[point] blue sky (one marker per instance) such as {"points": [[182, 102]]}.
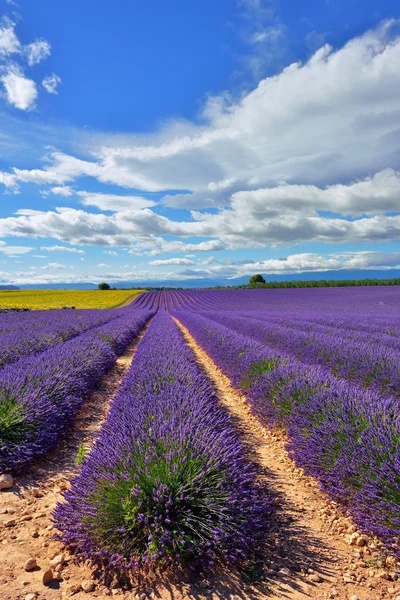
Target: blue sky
{"points": [[197, 140]]}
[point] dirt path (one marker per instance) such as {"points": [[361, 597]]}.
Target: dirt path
{"points": [[313, 550], [26, 530]]}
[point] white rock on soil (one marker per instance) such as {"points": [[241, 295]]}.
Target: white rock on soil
{"points": [[30, 597], [88, 585], [315, 578], [6, 482], [57, 560], [30, 564]]}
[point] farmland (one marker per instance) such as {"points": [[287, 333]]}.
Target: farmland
{"points": [[251, 436], [46, 299]]}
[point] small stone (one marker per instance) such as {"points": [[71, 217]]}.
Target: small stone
{"points": [[382, 574], [353, 539], [6, 482], [88, 585], [57, 560], [354, 597], [30, 597], [361, 564], [361, 541], [74, 589], [26, 518], [30, 564], [315, 578], [35, 534], [347, 579], [47, 576], [392, 591], [10, 523]]}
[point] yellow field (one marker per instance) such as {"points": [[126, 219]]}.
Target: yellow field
{"points": [[44, 299]]}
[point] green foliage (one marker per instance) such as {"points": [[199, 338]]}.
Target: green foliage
{"points": [[81, 455], [104, 286], [13, 426], [129, 503], [256, 370], [256, 279]]}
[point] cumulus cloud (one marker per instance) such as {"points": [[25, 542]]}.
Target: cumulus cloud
{"points": [[295, 263], [62, 249], [333, 118], [179, 246], [9, 43], [103, 266], [14, 250], [171, 261], [51, 83], [63, 190], [9, 181], [20, 91], [114, 202], [37, 51], [235, 228]]}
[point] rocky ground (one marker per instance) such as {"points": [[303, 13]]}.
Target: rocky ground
{"points": [[312, 550]]}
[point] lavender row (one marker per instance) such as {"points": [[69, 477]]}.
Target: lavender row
{"points": [[166, 481], [45, 333], [374, 366], [345, 436], [363, 330], [369, 301], [40, 395]]}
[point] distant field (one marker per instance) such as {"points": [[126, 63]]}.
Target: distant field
{"points": [[45, 299]]}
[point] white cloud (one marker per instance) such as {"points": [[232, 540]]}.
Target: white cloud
{"points": [[103, 266], [332, 118], [171, 261], [243, 227], [111, 252], [54, 265], [14, 250], [296, 263], [64, 191], [9, 43], [62, 249], [20, 91], [179, 246], [37, 51], [9, 180], [51, 83], [309, 262], [114, 202]]}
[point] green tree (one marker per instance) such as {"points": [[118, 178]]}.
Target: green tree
{"points": [[103, 286], [256, 279]]}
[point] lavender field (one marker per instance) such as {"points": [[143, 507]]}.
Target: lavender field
{"points": [[169, 480]]}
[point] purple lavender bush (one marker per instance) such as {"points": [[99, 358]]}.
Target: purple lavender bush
{"points": [[167, 481], [342, 434], [39, 395], [36, 332]]}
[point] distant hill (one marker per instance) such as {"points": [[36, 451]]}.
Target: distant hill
{"points": [[9, 287], [211, 282]]}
